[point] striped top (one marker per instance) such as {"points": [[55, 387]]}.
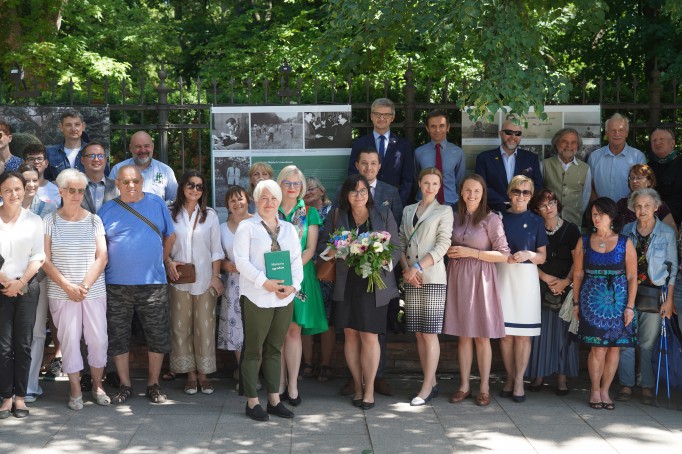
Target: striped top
{"points": [[73, 252]]}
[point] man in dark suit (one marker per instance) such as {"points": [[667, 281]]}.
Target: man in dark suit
{"points": [[100, 189], [499, 165], [396, 154]]}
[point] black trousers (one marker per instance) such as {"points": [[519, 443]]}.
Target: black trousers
{"points": [[17, 317]]}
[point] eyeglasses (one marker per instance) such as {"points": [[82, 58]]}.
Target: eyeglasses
{"points": [[35, 159], [92, 157], [518, 192], [383, 116], [311, 189], [637, 178], [292, 184], [133, 180], [359, 193], [547, 206], [1, 134], [72, 191], [198, 186], [509, 132]]}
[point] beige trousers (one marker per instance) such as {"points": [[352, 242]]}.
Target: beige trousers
{"points": [[193, 326]]}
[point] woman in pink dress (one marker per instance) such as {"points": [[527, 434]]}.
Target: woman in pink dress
{"points": [[472, 307]]}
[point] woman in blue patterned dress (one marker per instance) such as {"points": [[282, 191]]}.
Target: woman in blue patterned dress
{"points": [[605, 281]]}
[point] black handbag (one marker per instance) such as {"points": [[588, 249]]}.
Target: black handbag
{"points": [[551, 301], [648, 299]]}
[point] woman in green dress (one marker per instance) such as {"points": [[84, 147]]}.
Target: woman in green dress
{"points": [[309, 315]]}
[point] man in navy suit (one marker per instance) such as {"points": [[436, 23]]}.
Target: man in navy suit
{"points": [[499, 165], [396, 154]]}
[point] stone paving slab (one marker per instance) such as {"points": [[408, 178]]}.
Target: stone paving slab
{"points": [[328, 423]]}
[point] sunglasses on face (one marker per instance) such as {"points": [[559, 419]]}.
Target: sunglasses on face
{"points": [[509, 132], [133, 180], [518, 192], [198, 186], [72, 191], [92, 157]]}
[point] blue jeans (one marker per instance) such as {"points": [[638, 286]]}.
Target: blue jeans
{"points": [[648, 332]]}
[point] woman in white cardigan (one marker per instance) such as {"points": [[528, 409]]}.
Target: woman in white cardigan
{"points": [[425, 233]]}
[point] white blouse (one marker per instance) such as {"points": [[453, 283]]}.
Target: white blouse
{"points": [[201, 249], [21, 243], [251, 242]]}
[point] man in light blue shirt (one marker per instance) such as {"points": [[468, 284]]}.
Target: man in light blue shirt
{"points": [[159, 178], [611, 164], [452, 163]]}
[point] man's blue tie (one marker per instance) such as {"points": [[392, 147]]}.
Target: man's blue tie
{"points": [[382, 146]]}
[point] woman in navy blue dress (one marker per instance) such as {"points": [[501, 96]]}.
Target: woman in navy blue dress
{"points": [[605, 286]]}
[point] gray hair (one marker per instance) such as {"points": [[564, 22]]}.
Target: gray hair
{"points": [[270, 185], [293, 170], [383, 102], [129, 166], [67, 175], [644, 192], [618, 117], [316, 181], [562, 132]]}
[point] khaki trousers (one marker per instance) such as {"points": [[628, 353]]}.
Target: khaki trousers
{"points": [[193, 327]]}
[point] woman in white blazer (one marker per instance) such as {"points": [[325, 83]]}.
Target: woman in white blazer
{"points": [[425, 233]]}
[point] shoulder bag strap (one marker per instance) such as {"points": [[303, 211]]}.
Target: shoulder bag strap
{"points": [[142, 218]]}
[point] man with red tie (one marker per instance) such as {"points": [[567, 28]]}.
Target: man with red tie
{"points": [[445, 156]]}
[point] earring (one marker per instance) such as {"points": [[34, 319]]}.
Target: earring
{"points": [[594, 229], [611, 226]]}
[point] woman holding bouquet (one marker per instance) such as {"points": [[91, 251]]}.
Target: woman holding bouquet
{"points": [[360, 312], [425, 234]]}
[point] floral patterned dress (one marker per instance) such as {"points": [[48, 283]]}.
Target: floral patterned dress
{"points": [[603, 296], [230, 329]]}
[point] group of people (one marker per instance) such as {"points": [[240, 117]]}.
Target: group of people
{"points": [[543, 256]]}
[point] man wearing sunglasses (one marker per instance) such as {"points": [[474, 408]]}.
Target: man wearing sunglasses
{"points": [[499, 165], [159, 178], [8, 161], [395, 153], [100, 188], [611, 163]]}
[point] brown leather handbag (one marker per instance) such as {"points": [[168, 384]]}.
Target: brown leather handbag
{"points": [[326, 269], [186, 273]]}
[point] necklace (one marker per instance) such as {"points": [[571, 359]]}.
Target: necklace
{"points": [[558, 225]]}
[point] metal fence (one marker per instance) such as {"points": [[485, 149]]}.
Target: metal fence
{"points": [[178, 113]]}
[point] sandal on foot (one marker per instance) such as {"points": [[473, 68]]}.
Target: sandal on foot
{"points": [[101, 398], [207, 388], [596, 405], [191, 387], [325, 373], [168, 376], [123, 393], [307, 370], [155, 395], [75, 403], [608, 405]]}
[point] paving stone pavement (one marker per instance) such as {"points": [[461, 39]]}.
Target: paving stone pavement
{"points": [[328, 423]]}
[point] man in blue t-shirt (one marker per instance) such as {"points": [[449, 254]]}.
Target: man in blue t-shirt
{"points": [[140, 235]]}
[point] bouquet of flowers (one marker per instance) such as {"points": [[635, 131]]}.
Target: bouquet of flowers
{"points": [[367, 253]]}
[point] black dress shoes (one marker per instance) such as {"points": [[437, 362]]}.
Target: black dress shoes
{"points": [[20, 412], [256, 413], [280, 410], [367, 405]]}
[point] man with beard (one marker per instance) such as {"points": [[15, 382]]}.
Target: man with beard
{"points": [[569, 178], [159, 178], [499, 165]]}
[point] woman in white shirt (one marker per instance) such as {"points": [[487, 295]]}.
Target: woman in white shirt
{"points": [[75, 257], [22, 249], [267, 307], [193, 305]]}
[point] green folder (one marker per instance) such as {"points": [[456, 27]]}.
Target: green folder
{"points": [[278, 266]]}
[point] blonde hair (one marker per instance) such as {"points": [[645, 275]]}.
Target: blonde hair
{"points": [[517, 181], [293, 170]]}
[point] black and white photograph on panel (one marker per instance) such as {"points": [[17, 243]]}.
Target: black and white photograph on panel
{"points": [[229, 171], [327, 130], [230, 131], [276, 130]]}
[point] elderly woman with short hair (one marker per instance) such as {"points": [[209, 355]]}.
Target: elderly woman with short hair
{"points": [[75, 257], [655, 244], [267, 307]]}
